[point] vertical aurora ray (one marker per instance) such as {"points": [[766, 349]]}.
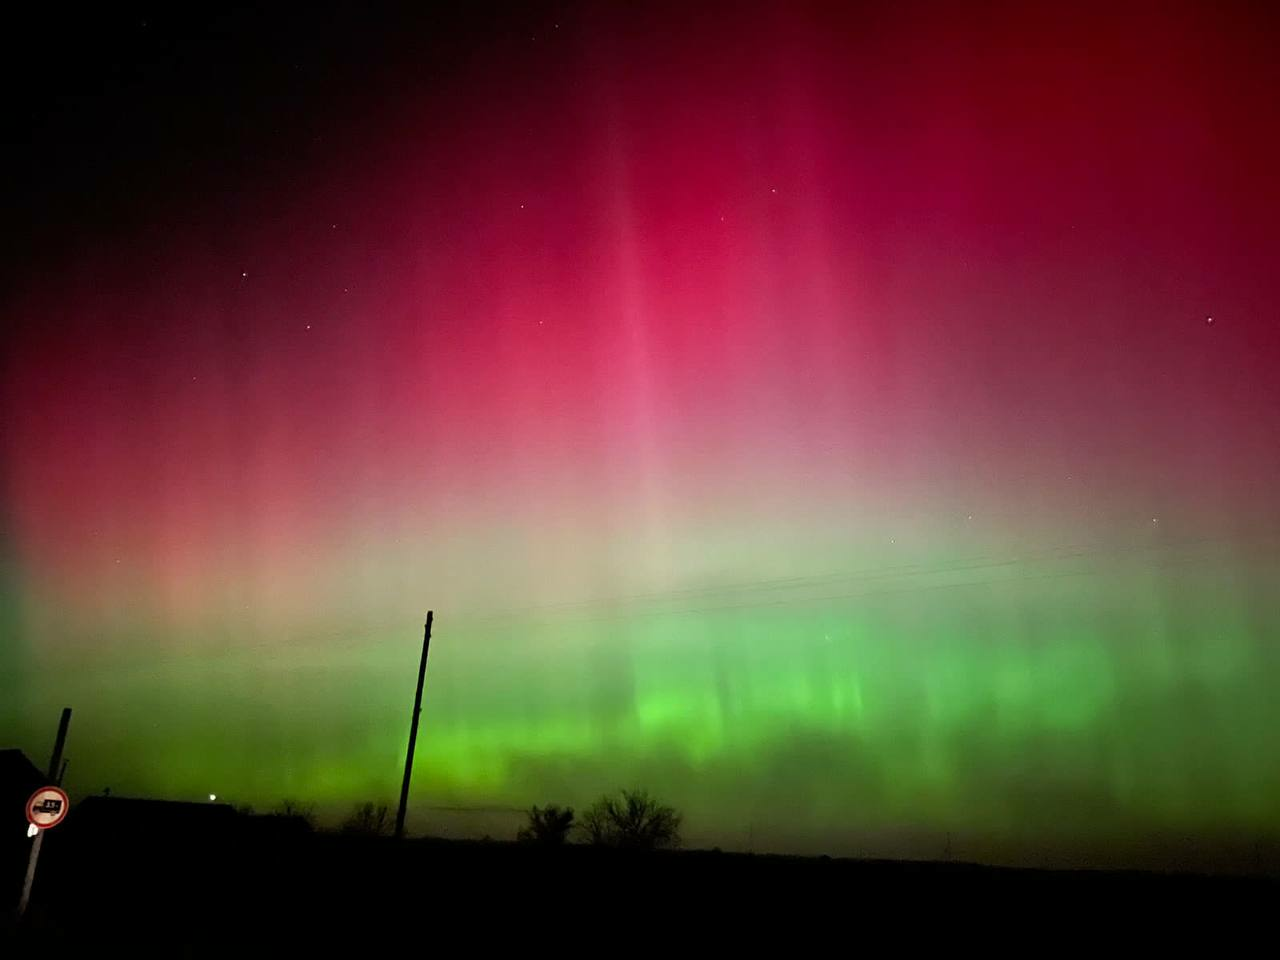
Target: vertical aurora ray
{"points": [[817, 422]]}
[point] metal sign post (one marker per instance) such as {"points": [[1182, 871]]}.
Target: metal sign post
{"points": [[45, 810], [31, 873]]}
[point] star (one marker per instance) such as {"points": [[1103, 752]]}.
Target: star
{"points": [[1209, 320], [244, 273], [308, 326]]}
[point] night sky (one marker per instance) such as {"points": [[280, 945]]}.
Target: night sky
{"points": [[858, 424]]}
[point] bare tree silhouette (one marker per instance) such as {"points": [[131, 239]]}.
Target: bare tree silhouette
{"points": [[547, 825], [304, 812], [632, 819], [368, 820]]}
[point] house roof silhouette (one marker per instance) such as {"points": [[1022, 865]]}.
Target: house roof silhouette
{"points": [[16, 771]]}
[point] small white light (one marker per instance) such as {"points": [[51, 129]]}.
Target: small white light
{"points": [[213, 797], [32, 829]]}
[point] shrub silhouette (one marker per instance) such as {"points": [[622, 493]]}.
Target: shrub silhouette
{"points": [[368, 820], [548, 825], [304, 813], [631, 819]]}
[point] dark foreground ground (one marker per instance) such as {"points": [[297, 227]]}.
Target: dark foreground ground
{"points": [[235, 889]]}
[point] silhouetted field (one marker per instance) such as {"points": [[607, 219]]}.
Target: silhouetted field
{"points": [[248, 886]]}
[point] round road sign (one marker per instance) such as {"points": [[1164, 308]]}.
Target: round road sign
{"points": [[47, 807]]}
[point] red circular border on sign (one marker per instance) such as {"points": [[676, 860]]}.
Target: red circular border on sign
{"points": [[66, 803]]}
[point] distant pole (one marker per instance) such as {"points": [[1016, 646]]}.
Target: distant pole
{"points": [[54, 763], [413, 729]]}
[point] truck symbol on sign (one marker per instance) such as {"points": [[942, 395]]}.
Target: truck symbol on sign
{"points": [[48, 805]]}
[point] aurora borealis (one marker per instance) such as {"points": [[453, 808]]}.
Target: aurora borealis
{"points": [[857, 425]]}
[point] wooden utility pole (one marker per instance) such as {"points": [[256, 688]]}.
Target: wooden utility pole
{"points": [[413, 729], [56, 760]]}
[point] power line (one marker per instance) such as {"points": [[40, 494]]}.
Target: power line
{"points": [[912, 588], [980, 562], [633, 606]]}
